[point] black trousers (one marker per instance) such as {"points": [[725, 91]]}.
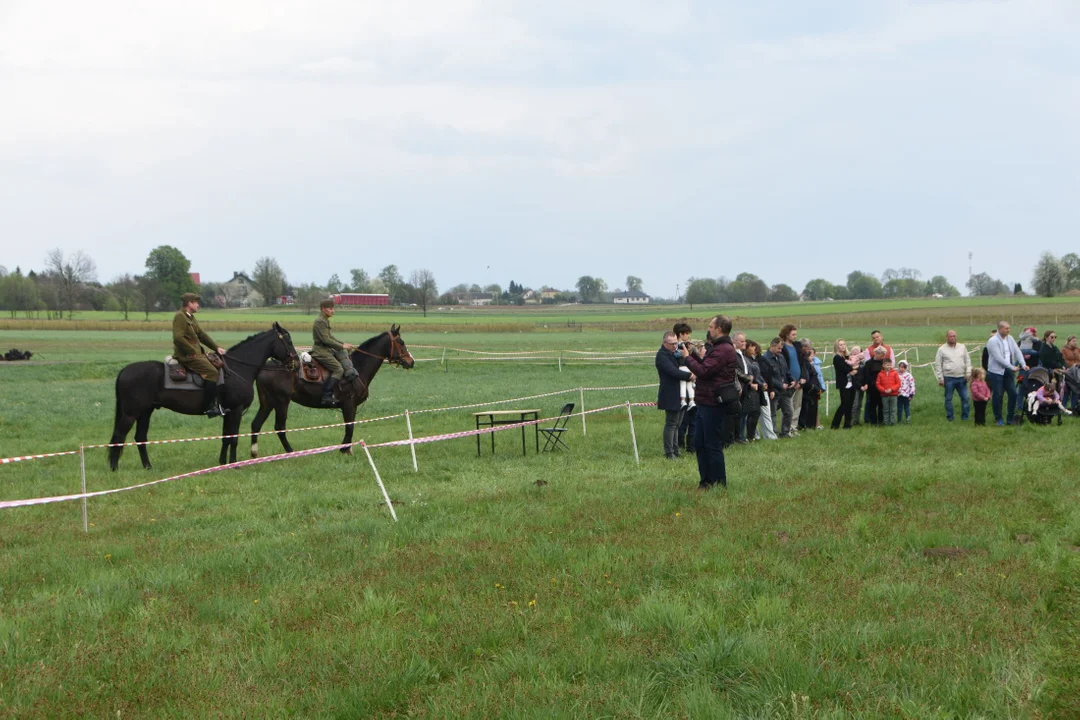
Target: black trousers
{"points": [[730, 414], [875, 411], [980, 412], [843, 413]]}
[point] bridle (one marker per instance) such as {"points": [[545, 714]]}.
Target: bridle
{"points": [[290, 353], [396, 351]]}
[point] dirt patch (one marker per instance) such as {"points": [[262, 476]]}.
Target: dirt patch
{"points": [[947, 553], [540, 483], [781, 535], [1024, 538]]}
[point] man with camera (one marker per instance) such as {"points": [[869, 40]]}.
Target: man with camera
{"points": [[716, 396]]}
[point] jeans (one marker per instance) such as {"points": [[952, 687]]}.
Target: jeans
{"points": [[748, 422], [888, 407], [903, 409], [709, 440], [787, 409], [1004, 382], [672, 418], [843, 413], [856, 406], [952, 384]]}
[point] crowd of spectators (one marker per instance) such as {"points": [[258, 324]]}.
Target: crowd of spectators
{"points": [[729, 390]]}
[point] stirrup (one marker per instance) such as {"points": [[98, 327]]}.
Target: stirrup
{"points": [[216, 410]]}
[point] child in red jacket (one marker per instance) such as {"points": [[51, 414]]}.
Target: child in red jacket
{"points": [[888, 384]]}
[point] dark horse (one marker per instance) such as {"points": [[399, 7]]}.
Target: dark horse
{"points": [[140, 390], [278, 386]]}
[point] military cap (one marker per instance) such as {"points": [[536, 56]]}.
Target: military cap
{"points": [[190, 297]]}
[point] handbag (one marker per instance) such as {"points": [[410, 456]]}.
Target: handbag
{"points": [[728, 392]]}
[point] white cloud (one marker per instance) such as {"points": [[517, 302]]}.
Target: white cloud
{"points": [[764, 122]]}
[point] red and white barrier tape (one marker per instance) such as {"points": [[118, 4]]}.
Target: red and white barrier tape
{"points": [[5, 504], [205, 471], [21, 458]]}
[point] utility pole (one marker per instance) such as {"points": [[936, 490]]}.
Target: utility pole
{"points": [[970, 255]]}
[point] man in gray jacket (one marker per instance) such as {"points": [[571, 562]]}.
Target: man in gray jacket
{"points": [[952, 365], [1005, 358]]}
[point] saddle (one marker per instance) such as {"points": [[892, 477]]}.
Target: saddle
{"points": [[311, 370], [177, 376]]}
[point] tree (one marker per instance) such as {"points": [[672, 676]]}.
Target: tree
{"points": [[361, 281], [18, 294], [268, 279], [983, 284], [903, 288], [495, 290], [333, 285], [126, 293], [783, 293], [1051, 276], [149, 294], [701, 291], [309, 296], [394, 282], [863, 286], [633, 284], [168, 267], [819, 289], [423, 280], [939, 285], [587, 286], [70, 274], [1072, 267], [1018, 289]]}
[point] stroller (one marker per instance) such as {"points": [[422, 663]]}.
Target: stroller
{"points": [[1032, 410]]}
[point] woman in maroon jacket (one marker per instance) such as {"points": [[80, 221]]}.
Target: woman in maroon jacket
{"points": [[716, 397]]}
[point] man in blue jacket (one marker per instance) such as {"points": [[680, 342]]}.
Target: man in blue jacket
{"points": [[668, 398]]}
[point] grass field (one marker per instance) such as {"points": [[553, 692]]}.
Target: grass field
{"points": [[922, 312], [923, 571]]}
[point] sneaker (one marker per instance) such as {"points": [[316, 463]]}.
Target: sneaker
{"points": [[1001, 423]]}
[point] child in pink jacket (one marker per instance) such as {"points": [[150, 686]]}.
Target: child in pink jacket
{"points": [[980, 394]]}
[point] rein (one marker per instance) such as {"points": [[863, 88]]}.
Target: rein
{"points": [[394, 352]]}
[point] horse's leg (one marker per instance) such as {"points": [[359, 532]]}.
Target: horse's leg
{"points": [[281, 416], [348, 414], [232, 427], [142, 427], [121, 428], [256, 426]]}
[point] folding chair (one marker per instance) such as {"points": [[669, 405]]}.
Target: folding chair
{"points": [[553, 434]]}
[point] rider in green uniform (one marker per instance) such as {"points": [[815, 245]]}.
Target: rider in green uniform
{"points": [[188, 339], [331, 352]]}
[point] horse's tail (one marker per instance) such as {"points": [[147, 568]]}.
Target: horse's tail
{"points": [[114, 452]]}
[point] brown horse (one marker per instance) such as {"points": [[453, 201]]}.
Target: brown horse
{"points": [[140, 389], [278, 386]]}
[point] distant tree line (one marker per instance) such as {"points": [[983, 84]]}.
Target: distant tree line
{"points": [[69, 283]]}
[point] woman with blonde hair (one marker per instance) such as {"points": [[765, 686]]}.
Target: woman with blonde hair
{"points": [[845, 384]]}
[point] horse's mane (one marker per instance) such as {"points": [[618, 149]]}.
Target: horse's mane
{"points": [[371, 341], [249, 338]]}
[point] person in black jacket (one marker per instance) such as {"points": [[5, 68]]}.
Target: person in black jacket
{"points": [[774, 368], [845, 384], [668, 398], [875, 411]]}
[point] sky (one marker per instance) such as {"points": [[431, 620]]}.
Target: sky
{"points": [[542, 140]]}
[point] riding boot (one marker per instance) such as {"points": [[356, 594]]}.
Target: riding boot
{"points": [[211, 407], [328, 392]]}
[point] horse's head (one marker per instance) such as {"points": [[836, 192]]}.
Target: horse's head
{"points": [[399, 354], [283, 350]]}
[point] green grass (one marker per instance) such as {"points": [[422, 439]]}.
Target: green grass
{"points": [[861, 313], [285, 588]]}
